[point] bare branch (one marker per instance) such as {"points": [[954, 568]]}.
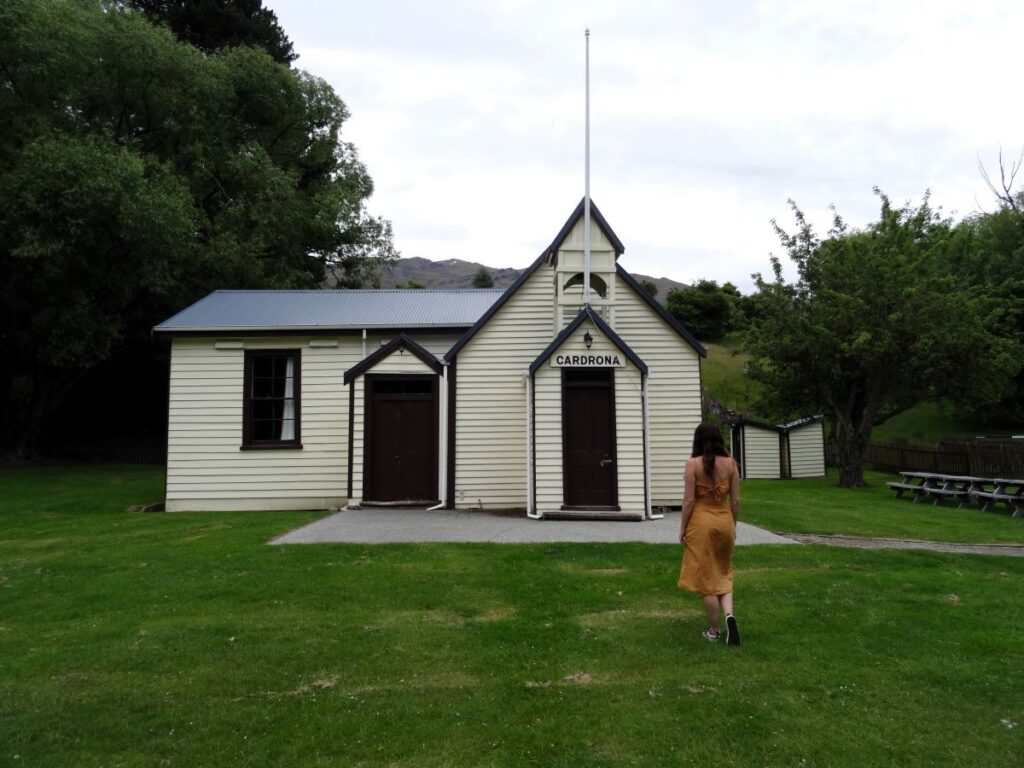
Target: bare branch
{"points": [[1004, 194]]}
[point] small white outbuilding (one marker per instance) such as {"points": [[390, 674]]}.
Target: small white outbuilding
{"points": [[773, 451], [530, 399]]}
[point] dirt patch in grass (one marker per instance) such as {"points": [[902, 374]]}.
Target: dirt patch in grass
{"points": [[576, 678], [604, 619], [699, 688], [579, 678], [499, 613], [333, 682], [439, 617], [627, 616], [436, 617], [576, 568]]}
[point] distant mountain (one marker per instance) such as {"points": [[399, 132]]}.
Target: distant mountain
{"points": [[455, 273], [452, 273]]}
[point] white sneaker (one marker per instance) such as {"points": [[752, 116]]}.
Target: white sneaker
{"points": [[710, 635]]}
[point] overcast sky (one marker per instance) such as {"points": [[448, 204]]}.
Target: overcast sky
{"points": [[705, 117]]}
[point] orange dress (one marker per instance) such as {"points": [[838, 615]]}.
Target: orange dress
{"points": [[710, 536]]}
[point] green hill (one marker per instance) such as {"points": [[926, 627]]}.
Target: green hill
{"points": [[929, 422], [925, 424], [724, 380]]}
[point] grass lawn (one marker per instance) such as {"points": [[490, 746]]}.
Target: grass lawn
{"points": [[181, 639], [819, 506]]}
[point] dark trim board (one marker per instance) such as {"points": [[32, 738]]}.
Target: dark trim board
{"points": [[588, 314], [674, 324], [743, 422], [351, 431], [597, 217], [738, 439], [785, 457], [398, 343]]}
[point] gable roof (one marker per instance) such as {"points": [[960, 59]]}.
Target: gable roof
{"points": [[575, 216], [663, 313], [329, 309], [588, 314], [401, 341], [674, 324], [791, 425], [743, 421], [782, 429]]}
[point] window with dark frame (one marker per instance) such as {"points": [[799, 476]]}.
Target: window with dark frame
{"points": [[271, 407]]}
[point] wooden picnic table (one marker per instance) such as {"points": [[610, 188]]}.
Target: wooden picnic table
{"points": [[1014, 500], [964, 489]]}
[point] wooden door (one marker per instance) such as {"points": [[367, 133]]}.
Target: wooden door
{"points": [[588, 438], [401, 439]]}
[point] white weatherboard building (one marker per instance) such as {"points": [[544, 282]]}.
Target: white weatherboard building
{"points": [[768, 451], [524, 399]]}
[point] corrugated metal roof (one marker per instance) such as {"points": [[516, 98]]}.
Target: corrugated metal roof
{"points": [[332, 309]]}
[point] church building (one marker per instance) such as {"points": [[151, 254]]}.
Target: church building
{"points": [[529, 399]]}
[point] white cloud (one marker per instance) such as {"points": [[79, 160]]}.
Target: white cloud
{"points": [[706, 117]]}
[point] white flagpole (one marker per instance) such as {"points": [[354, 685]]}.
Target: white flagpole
{"points": [[586, 193]]}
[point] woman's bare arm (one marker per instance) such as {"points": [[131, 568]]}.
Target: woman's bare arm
{"points": [[734, 492], [689, 494]]}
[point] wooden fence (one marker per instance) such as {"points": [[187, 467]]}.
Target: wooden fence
{"points": [[1004, 459]]}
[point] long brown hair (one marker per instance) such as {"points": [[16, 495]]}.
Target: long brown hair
{"points": [[708, 443]]}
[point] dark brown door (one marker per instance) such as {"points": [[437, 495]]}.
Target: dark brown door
{"points": [[401, 439], [588, 434]]}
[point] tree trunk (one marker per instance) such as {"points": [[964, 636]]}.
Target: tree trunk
{"points": [[853, 422], [851, 449], [851, 443]]}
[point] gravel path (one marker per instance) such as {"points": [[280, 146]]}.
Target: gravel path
{"points": [[860, 542]]}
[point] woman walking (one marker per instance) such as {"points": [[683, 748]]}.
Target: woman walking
{"points": [[711, 505]]}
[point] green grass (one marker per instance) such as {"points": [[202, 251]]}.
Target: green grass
{"points": [[181, 639], [820, 506]]}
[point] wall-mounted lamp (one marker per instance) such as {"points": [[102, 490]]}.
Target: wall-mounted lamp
{"points": [[588, 339]]}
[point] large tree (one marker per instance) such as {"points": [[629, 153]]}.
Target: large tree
{"points": [[214, 24], [705, 308], [874, 321], [991, 255], [137, 174]]}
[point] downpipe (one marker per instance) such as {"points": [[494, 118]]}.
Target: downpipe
{"points": [[442, 474]]}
